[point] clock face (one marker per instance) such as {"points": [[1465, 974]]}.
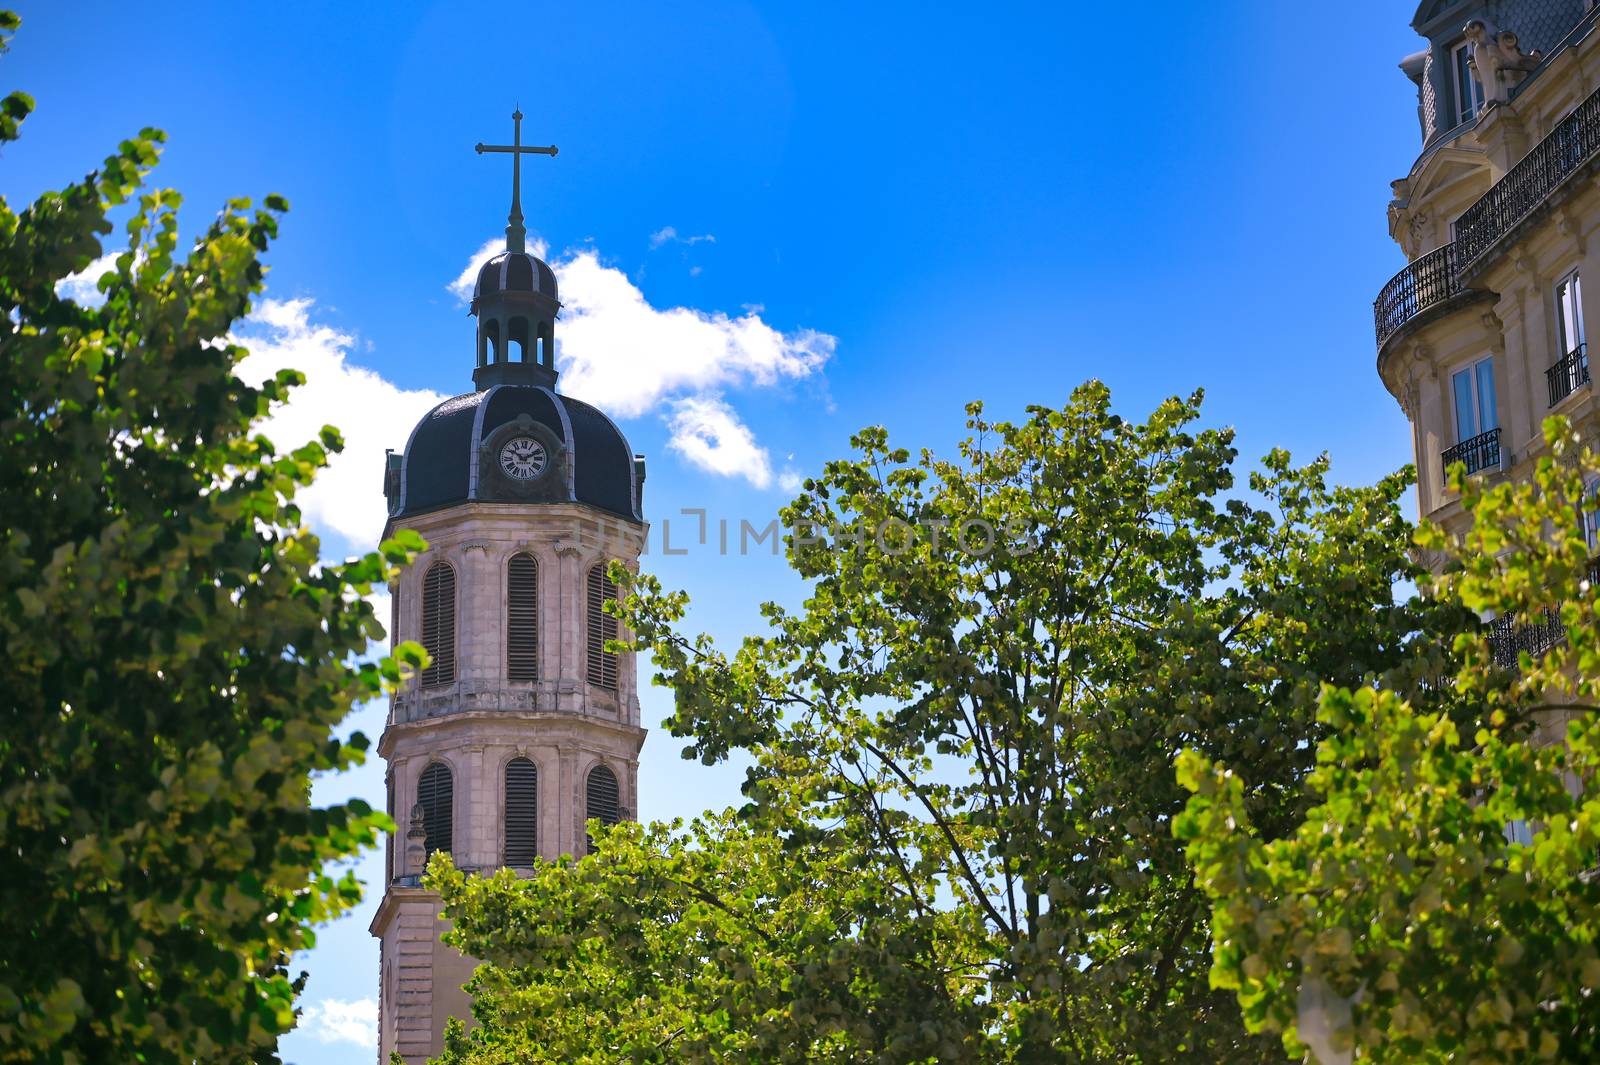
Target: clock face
{"points": [[522, 458]]}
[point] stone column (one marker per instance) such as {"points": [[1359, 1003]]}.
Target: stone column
{"points": [[570, 674]]}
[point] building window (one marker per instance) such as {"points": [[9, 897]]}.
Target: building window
{"points": [[1589, 515], [439, 623], [1473, 392], [522, 813], [601, 798], [1569, 314], [522, 618], [434, 795], [600, 628], [1468, 93]]}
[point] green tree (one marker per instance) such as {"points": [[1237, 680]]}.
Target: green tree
{"points": [[176, 657], [956, 843], [1400, 920]]}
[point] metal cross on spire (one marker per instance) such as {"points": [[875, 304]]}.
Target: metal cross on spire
{"points": [[515, 234]]}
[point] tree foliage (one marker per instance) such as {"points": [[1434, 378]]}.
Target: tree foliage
{"points": [[1400, 918], [176, 656], [956, 843]]}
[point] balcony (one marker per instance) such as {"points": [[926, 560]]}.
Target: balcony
{"points": [[1570, 373], [1435, 277], [1427, 280], [1481, 452], [1508, 638], [1529, 184]]}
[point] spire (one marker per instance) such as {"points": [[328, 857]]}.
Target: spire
{"points": [[516, 299], [516, 235]]}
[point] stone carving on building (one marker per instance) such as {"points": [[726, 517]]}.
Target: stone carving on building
{"points": [[416, 843], [1497, 60]]}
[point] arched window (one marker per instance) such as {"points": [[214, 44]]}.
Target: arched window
{"points": [[522, 618], [601, 798], [439, 623], [491, 336], [547, 344], [517, 340], [522, 813], [601, 627], [434, 795]]}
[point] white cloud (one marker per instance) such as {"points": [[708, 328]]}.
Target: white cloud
{"points": [[82, 287], [790, 481], [335, 1021], [370, 412], [708, 433], [628, 357], [617, 351], [462, 286], [669, 235]]}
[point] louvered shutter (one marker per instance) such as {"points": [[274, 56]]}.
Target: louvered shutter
{"points": [[522, 618], [439, 623], [601, 798], [434, 794], [601, 627], [522, 813]]}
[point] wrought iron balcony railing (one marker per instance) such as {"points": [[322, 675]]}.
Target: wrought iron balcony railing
{"points": [[1508, 637], [1570, 373], [1426, 280], [1436, 276], [1571, 145], [1481, 452]]}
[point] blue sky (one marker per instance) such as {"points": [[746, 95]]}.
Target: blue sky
{"points": [[903, 207]]}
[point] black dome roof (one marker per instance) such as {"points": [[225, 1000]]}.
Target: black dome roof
{"points": [[439, 466], [516, 271]]}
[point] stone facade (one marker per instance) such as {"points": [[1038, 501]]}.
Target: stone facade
{"points": [[1500, 304], [1481, 336], [480, 721]]}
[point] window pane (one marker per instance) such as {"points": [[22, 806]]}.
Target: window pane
{"points": [[1487, 418], [1467, 91], [1570, 316], [1466, 415], [1591, 514]]}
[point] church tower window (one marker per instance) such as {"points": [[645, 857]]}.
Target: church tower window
{"points": [[522, 813], [435, 794], [601, 798], [601, 627], [522, 618], [439, 623]]}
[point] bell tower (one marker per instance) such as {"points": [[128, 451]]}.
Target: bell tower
{"points": [[523, 725]]}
